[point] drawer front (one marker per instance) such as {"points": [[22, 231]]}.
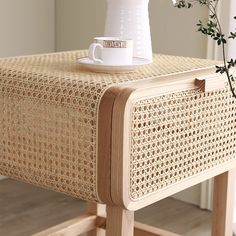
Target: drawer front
{"points": [[179, 135], [172, 136]]}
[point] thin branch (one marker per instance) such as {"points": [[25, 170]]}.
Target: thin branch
{"points": [[214, 29], [224, 55]]}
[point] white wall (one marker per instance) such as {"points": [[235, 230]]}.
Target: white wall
{"points": [[77, 22], [173, 30], [26, 27], [232, 27]]}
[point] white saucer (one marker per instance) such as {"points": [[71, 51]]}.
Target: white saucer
{"points": [[93, 66]]}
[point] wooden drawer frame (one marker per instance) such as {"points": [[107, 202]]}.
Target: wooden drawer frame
{"points": [[114, 123]]}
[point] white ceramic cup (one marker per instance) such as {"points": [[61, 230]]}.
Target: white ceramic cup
{"points": [[111, 51]]}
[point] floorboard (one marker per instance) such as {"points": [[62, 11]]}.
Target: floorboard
{"points": [[25, 210]]}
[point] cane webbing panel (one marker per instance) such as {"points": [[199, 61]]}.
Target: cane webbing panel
{"points": [[179, 135], [48, 121]]}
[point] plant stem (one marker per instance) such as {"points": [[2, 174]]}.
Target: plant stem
{"points": [[214, 30], [224, 53]]}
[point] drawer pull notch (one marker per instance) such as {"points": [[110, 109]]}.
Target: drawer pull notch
{"points": [[208, 84]]}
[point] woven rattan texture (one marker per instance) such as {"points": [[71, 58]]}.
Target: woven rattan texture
{"points": [[48, 121], [179, 135]]}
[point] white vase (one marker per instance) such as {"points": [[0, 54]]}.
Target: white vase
{"points": [[129, 19]]}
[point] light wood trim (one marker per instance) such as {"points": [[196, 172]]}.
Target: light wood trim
{"points": [[98, 210], [104, 144], [187, 77], [146, 230], [223, 204], [170, 85], [74, 227], [119, 166], [180, 80], [119, 222], [210, 83], [175, 188]]}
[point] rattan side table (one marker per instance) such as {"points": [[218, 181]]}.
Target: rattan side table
{"points": [[123, 141]]}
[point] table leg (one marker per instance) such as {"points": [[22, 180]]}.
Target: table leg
{"points": [[99, 210], [120, 222], [223, 204]]}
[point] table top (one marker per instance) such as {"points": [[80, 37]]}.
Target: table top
{"points": [[50, 106]]}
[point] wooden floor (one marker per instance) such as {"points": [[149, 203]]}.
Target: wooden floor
{"points": [[25, 210]]}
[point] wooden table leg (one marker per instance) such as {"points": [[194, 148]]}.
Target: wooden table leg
{"points": [[223, 204], [120, 222], [99, 210]]}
